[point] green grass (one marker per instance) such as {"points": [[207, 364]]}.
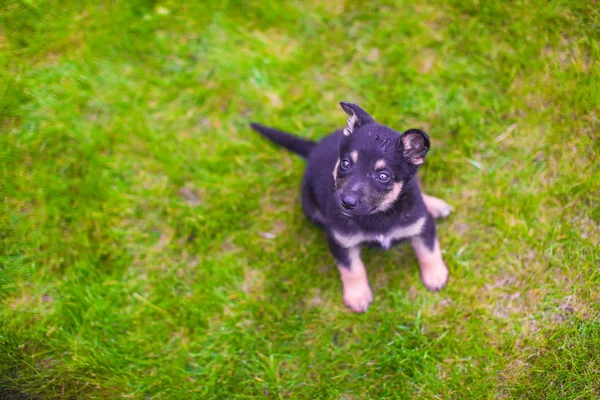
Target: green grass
{"points": [[115, 282]]}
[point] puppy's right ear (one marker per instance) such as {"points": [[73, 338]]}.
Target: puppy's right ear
{"points": [[415, 145], [357, 117]]}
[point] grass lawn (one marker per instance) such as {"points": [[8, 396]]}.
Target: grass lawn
{"points": [[153, 246]]}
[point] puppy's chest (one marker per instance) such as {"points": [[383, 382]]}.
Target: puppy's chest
{"points": [[385, 239]]}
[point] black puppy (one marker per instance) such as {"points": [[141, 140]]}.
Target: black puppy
{"points": [[360, 185]]}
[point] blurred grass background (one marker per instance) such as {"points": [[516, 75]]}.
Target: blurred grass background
{"points": [[135, 200]]}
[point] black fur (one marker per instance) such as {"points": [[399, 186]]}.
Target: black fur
{"points": [[325, 201]]}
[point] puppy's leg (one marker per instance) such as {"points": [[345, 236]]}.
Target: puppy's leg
{"points": [[434, 272], [437, 207], [357, 293]]}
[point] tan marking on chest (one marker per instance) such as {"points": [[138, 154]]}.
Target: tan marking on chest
{"points": [[385, 239]]}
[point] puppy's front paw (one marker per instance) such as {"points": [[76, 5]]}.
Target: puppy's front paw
{"points": [[438, 208], [358, 296], [435, 276]]}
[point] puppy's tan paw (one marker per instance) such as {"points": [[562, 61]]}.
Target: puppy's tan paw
{"points": [[438, 208], [435, 277], [358, 296]]}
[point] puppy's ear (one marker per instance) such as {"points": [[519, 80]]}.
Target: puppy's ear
{"points": [[357, 117], [415, 145]]}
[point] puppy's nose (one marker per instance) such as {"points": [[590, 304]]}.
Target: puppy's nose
{"points": [[349, 201]]}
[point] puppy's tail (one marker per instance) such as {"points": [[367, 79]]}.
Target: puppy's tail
{"points": [[298, 145]]}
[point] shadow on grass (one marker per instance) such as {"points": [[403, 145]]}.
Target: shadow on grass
{"points": [[7, 392], [567, 367]]}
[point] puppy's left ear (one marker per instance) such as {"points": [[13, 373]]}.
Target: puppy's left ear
{"points": [[415, 145], [357, 117]]}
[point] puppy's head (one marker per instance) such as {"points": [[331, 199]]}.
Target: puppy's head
{"points": [[374, 163]]}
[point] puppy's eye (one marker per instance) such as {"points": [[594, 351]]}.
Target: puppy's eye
{"points": [[383, 177], [345, 163]]}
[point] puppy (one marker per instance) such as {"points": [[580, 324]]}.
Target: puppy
{"points": [[360, 185]]}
